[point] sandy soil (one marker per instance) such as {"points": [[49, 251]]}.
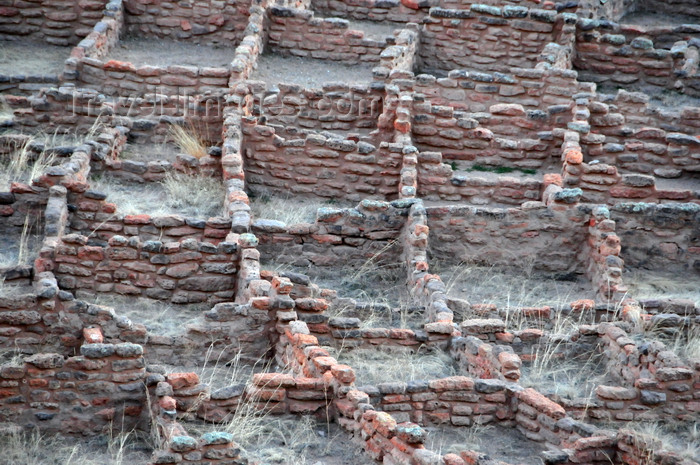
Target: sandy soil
{"points": [[310, 73], [157, 52], [20, 57], [498, 442]]}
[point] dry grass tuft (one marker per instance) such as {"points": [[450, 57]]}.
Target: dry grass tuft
{"points": [[197, 196], [189, 141], [509, 289], [644, 284], [32, 448], [285, 208], [23, 165], [678, 437]]}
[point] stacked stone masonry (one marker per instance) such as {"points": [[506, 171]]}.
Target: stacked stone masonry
{"points": [[558, 139]]}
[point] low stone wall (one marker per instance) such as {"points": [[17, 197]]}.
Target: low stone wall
{"points": [[98, 219], [659, 236], [488, 38], [90, 66], [53, 22], [681, 7], [319, 166], [605, 55], [640, 139], [548, 90], [299, 33], [334, 107], [349, 236], [255, 38], [505, 135], [101, 388], [601, 253], [212, 23], [438, 181], [548, 238], [184, 272], [370, 10]]}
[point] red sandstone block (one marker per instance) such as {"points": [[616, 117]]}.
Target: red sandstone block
{"points": [[531, 334], [421, 229], [596, 442], [6, 210], [541, 403], [167, 403], [114, 65], [505, 337], [93, 335], [91, 253], [273, 380], [343, 373], [453, 459], [311, 304], [137, 219], [385, 424], [454, 383], [573, 156], [583, 304], [324, 364], [8, 11], [262, 303], [470, 457], [398, 333], [181, 380], [304, 340]]}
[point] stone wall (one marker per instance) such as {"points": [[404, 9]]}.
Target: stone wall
{"points": [[184, 272], [639, 139], [545, 237], [148, 117], [211, 23], [349, 236], [62, 22], [659, 237], [548, 90], [605, 56], [504, 135], [489, 38], [335, 107], [370, 10], [327, 167], [101, 388], [679, 7], [299, 33], [438, 181]]}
